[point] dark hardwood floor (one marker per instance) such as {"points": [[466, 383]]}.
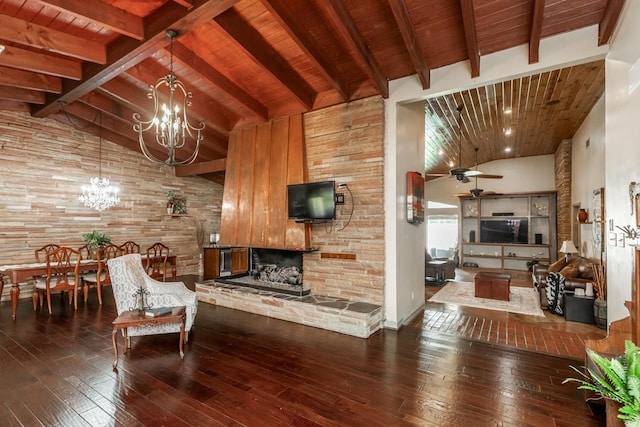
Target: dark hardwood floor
{"points": [[245, 369]]}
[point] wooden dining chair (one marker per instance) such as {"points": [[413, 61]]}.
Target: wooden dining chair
{"points": [[41, 256], [63, 275], [101, 277], [130, 247], [85, 251], [156, 261]]}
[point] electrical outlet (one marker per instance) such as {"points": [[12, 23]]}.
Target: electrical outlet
{"points": [[339, 198]]}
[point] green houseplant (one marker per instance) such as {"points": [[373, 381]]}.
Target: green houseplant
{"points": [[617, 379], [95, 239]]}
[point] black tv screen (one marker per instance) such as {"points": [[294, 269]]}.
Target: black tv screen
{"points": [[504, 231], [313, 200]]}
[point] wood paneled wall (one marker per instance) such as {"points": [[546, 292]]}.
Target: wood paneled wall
{"points": [[261, 161], [43, 164]]}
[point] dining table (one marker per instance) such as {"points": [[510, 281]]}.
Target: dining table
{"points": [[20, 273]]}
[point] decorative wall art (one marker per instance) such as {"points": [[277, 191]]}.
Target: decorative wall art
{"points": [[597, 218], [415, 198]]}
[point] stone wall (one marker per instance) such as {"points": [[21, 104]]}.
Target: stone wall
{"points": [[43, 164], [345, 143], [563, 188]]}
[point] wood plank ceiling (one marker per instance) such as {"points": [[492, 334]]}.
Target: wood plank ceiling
{"points": [[248, 61]]}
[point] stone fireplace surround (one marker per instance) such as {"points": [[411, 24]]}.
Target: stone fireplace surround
{"points": [[289, 301]]}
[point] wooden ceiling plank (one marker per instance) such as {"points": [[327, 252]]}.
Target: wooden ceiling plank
{"points": [[265, 56], [281, 11], [37, 36], [609, 20], [21, 107], [536, 31], [10, 93], [29, 80], [348, 33], [124, 53], [471, 35], [201, 168], [23, 59], [102, 14], [411, 41], [209, 73], [108, 106]]}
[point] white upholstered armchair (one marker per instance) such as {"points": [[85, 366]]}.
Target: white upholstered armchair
{"points": [[128, 275]]}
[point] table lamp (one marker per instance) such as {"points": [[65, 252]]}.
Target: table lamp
{"points": [[567, 249]]}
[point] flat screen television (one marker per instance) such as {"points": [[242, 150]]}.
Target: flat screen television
{"points": [[312, 201], [504, 231]]}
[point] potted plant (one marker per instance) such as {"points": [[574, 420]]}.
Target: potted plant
{"points": [[617, 379], [95, 239], [531, 263]]}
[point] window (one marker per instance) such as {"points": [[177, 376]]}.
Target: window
{"points": [[442, 235]]}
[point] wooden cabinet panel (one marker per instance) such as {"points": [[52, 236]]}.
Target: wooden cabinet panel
{"points": [[211, 263], [239, 260]]}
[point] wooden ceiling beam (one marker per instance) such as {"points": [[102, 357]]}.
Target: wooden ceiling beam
{"points": [[22, 107], [536, 31], [28, 60], [348, 33], [201, 168], [102, 14], [9, 93], [471, 35], [295, 27], [216, 78], [108, 106], [124, 53], [40, 37], [609, 20], [30, 80], [265, 56], [411, 41]]}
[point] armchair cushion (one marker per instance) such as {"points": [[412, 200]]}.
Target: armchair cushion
{"points": [[128, 275]]}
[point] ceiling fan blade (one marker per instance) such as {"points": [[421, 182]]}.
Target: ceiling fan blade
{"points": [[463, 179], [488, 175]]}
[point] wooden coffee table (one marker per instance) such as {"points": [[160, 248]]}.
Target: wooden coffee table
{"points": [[492, 285], [137, 318]]}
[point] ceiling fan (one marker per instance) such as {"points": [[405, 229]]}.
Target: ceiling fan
{"points": [[462, 174], [475, 192]]}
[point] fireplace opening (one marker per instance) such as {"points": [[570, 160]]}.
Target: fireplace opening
{"points": [[277, 270], [277, 266]]}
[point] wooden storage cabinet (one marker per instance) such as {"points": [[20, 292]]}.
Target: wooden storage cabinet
{"points": [[538, 209], [492, 285], [212, 257]]}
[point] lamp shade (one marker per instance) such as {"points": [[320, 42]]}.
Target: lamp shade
{"points": [[568, 247]]}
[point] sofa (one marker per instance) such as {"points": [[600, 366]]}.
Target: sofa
{"points": [[577, 272]]}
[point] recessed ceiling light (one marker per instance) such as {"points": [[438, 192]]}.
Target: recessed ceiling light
{"points": [[507, 131], [1, 48], [507, 149], [451, 164], [507, 110]]}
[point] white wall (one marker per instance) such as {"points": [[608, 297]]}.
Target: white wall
{"points": [[587, 170], [622, 150], [562, 50], [406, 297]]}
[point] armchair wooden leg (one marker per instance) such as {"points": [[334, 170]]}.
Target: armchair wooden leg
{"points": [[85, 291], [99, 291], [49, 301], [34, 297]]}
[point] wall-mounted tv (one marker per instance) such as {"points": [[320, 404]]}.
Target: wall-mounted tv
{"points": [[312, 201], [504, 231]]}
